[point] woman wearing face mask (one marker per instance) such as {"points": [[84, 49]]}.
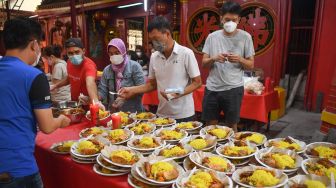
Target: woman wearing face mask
{"points": [[122, 72], [142, 58], [59, 72]]}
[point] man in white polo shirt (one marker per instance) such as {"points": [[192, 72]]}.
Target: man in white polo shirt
{"points": [[172, 66]]}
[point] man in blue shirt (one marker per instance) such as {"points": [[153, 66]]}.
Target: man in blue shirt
{"points": [[25, 102]]}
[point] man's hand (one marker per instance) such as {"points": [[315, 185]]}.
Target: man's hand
{"points": [[101, 106], [170, 96], [220, 58], [65, 121], [118, 103], [53, 87], [84, 100], [234, 58], [126, 92]]}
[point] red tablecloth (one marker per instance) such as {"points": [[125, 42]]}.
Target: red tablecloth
{"points": [[255, 107], [59, 171]]}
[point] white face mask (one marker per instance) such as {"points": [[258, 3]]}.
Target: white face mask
{"points": [[138, 54], [116, 59], [38, 56], [230, 26]]}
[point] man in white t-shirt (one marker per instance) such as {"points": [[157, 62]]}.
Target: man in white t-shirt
{"points": [[172, 66], [227, 52]]}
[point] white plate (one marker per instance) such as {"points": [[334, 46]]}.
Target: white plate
{"points": [[198, 125], [207, 137], [140, 170], [133, 115], [113, 168], [146, 150], [128, 132], [135, 175], [184, 134], [197, 158], [106, 152], [74, 151], [220, 148], [82, 131], [95, 169], [304, 162], [204, 131], [52, 148], [264, 140], [300, 179], [182, 179], [187, 147], [153, 127], [279, 174], [300, 143], [166, 125], [315, 144], [186, 163], [298, 158], [83, 161], [129, 181], [101, 119]]}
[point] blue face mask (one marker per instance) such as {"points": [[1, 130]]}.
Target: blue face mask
{"points": [[76, 59]]}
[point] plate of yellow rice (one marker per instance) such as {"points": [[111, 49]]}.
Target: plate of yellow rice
{"points": [[257, 176]]}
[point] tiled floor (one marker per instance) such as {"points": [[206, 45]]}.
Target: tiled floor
{"points": [[298, 124]]}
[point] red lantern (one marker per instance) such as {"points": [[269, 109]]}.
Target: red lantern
{"points": [[161, 7]]}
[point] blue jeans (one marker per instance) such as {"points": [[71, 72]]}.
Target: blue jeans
{"points": [[31, 181]]}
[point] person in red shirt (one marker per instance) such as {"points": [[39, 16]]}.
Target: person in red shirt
{"points": [[82, 73]]}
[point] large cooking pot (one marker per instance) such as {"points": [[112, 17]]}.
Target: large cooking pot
{"points": [[74, 114], [69, 109], [65, 104]]}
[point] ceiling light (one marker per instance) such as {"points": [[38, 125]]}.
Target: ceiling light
{"points": [[130, 5]]}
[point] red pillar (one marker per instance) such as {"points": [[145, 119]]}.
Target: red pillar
{"points": [[73, 18], [183, 24]]}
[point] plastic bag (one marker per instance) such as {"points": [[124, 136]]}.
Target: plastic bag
{"points": [[253, 86]]}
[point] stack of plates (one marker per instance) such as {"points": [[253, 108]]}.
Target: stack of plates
{"points": [[113, 168], [104, 168], [80, 158], [135, 180], [145, 151], [60, 149]]}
